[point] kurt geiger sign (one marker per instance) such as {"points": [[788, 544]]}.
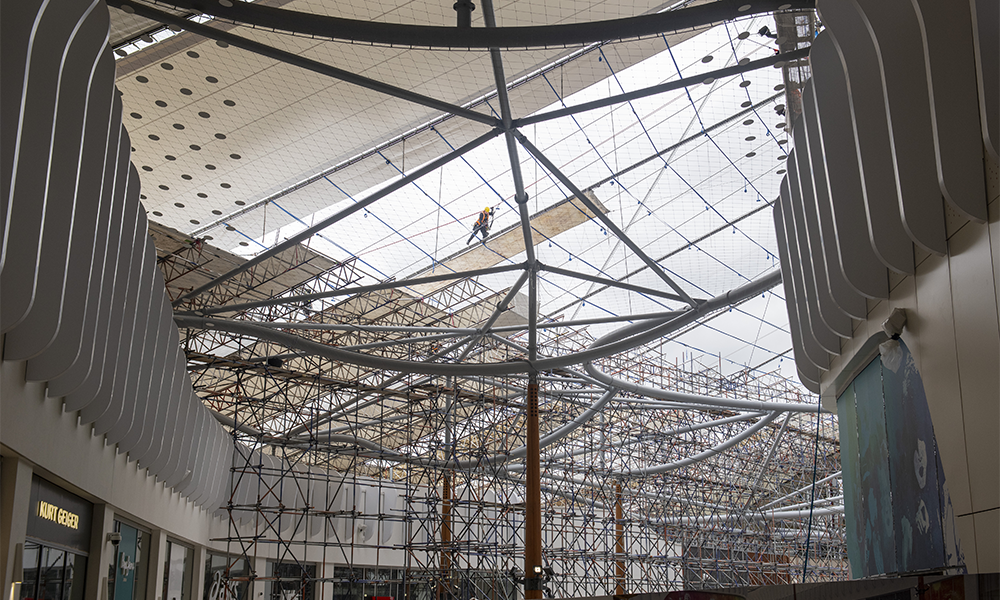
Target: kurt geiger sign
{"points": [[58, 516], [53, 513]]}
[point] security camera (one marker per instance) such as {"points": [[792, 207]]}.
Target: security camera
{"points": [[114, 537]]}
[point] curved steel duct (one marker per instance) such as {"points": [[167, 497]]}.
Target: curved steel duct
{"points": [[396, 34]]}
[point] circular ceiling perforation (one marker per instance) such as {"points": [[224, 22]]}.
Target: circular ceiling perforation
{"points": [[189, 97]]}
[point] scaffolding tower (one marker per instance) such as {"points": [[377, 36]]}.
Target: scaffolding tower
{"points": [[415, 485]]}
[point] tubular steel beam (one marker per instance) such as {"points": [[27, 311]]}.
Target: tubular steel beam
{"points": [[767, 459], [394, 34], [660, 316], [634, 335], [400, 341], [301, 61], [551, 168], [308, 232], [533, 315], [350, 291], [520, 196], [802, 489], [496, 315], [611, 283], [663, 87], [690, 460]]}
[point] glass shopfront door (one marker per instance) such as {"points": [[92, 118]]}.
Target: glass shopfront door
{"points": [[127, 573]]}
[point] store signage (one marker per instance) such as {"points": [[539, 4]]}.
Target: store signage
{"points": [[62, 516], [58, 517]]}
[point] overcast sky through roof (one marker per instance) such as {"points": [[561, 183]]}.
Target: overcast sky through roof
{"points": [[700, 186]]}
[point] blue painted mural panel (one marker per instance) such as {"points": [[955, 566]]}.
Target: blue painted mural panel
{"points": [[912, 465], [873, 455], [848, 418], [896, 502]]}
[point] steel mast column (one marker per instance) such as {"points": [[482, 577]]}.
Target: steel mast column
{"points": [[533, 482], [532, 500], [619, 542]]}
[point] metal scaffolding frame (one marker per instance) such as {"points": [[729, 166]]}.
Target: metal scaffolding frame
{"points": [[387, 431], [459, 513]]}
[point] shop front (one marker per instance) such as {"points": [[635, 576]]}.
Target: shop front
{"points": [[128, 572], [57, 544], [226, 577]]}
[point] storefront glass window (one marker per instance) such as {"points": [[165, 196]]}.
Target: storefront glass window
{"points": [[291, 581], [51, 573], [367, 583], [177, 571], [76, 574], [32, 552], [226, 578]]}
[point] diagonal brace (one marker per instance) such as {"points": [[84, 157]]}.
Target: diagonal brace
{"points": [[653, 266], [308, 232], [663, 87]]}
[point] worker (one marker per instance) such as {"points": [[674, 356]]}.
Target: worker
{"points": [[482, 224]]}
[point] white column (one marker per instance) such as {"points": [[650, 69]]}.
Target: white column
{"points": [[157, 556], [102, 552], [259, 565], [15, 495], [197, 591]]}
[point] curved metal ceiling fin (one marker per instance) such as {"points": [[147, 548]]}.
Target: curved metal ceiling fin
{"points": [[807, 228], [795, 295], [986, 34], [950, 65], [892, 26], [798, 260], [862, 266], [843, 294], [848, 88]]}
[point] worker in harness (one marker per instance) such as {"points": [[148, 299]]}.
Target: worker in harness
{"points": [[483, 224]]}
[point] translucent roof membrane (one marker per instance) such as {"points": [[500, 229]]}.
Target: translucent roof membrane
{"points": [[699, 209]]}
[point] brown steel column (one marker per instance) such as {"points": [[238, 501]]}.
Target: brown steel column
{"points": [[445, 537], [533, 499], [619, 542]]}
